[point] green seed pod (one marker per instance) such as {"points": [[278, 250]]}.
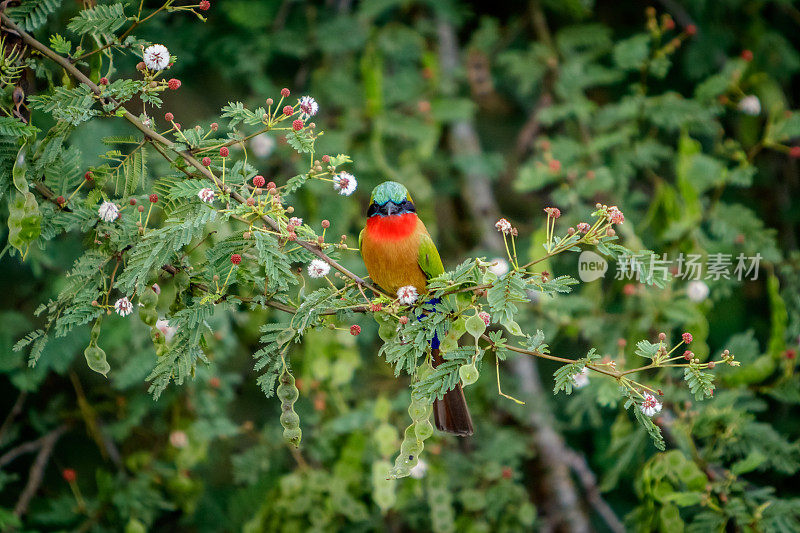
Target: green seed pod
{"points": [[293, 436], [475, 326], [419, 410], [96, 359], [387, 331], [424, 370], [24, 220], [290, 420], [401, 468], [285, 336], [423, 429], [459, 327], [410, 450], [148, 298], [403, 465], [148, 315], [157, 336], [411, 447], [95, 333], [468, 374], [19, 170], [287, 392], [448, 344]]}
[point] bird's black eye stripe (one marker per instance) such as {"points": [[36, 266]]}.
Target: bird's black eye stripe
{"points": [[408, 207]]}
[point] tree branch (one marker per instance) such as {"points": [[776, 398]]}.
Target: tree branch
{"points": [[561, 501], [589, 482], [562, 507], [313, 248], [16, 409], [464, 142], [47, 443]]}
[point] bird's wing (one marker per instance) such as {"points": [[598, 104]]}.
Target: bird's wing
{"points": [[428, 258], [360, 240]]}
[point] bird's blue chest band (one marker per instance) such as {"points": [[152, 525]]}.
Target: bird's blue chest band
{"points": [[435, 340]]}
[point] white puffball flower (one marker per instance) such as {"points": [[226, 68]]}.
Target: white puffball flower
{"points": [[108, 211], [168, 331], [262, 145], [581, 379], [318, 268], [156, 57], [308, 107], [499, 267], [123, 306], [650, 406], [750, 105], [697, 291], [178, 439], [344, 183], [503, 226], [407, 295], [206, 195], [419, 469], [615, 216]]}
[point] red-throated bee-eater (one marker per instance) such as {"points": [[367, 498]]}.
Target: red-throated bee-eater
{"points": [[398, 251]]}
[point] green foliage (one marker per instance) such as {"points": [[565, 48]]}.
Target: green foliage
{"points": [[70, 105], [556, 105], [504, 296], [301, 141], [645, 348], [238, 114], [701, 384], [14, 128], [99, 20], [32, 14], [276, 339], [60, 45], [565, 376]]}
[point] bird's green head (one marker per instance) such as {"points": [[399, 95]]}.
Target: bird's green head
{"points": [[390, 198]]}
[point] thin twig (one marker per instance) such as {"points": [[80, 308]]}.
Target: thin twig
{"points": [[16, 409], [48, 442], [589, 483], [22, 449]]}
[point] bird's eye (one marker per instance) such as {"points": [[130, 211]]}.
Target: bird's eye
{"points": [[372, 210], [408, 207]]}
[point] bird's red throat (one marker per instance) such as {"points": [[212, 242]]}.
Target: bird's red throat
{"points": [[393, 227]]}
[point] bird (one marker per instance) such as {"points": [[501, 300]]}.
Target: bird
{"points": [[398, 251]]}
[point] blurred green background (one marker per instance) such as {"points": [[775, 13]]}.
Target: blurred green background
{"points": [[468, 104]]}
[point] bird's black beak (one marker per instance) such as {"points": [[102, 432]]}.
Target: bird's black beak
{"points": [[390, 208]]}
